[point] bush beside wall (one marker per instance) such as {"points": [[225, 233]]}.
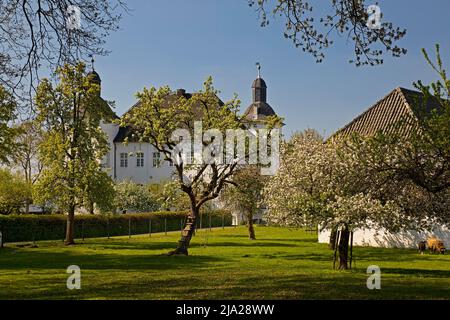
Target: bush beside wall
{"points": [[19, 228]]}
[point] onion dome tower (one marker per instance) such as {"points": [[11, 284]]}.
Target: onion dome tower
{"points": [[259, 109]]}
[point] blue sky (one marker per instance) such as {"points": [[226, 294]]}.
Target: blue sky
{"points": [[181, 42]]}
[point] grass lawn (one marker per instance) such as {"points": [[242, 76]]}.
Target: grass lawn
{"points": [[224, 264]]}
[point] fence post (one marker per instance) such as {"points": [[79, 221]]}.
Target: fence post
{"points": [[223, 221], [150, 227], [181, 225], [34, 233], [210, 227], [165, 226], [129, 228], [107, 227], [82, 230], [1, 238]]}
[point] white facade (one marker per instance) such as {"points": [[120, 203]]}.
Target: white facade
{"points": [[138, 162], [385, 239], [143, 164]]}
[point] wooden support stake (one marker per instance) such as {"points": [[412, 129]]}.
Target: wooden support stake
{"points": [[210, 227], [338, 236], [351, 249], [129, 228]]}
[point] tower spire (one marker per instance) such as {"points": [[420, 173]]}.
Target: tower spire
{"points": [[92, 62], [258, 66]]}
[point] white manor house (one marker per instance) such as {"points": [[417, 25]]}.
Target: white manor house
{"points": [[142, 163]]}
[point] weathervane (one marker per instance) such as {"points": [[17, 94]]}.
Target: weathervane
{"points": [[258, 66]]}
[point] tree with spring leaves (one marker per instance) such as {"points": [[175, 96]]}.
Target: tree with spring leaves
{"points": [[349, 18], [244, 194], [159, 114], [73, 143], [323, 184], [157, 118]]}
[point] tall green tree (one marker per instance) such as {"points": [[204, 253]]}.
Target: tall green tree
{"points": [[158, 118], [73, 142]]}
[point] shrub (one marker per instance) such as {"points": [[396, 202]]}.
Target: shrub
{"points": [[14, 192]]}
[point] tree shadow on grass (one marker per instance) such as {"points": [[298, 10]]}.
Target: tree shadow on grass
{"points": [[418, 272], [391, 255], [335, 285], [250, 243], [40, 259]]}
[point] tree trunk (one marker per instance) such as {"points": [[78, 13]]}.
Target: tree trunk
{"points": [[333, 235], [251, 229], [91, 207], [343, 249], [70, 226], [187, 233]]}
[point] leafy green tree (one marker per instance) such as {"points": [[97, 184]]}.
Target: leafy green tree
{"points": [[244, 194], [8, 108], [73, 143], [169, 196], [135, 197], [157, 117], [25, 157], [14, 192]]}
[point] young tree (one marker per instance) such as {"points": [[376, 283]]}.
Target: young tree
{"points": [[323, 184], [14, 192], [37, 33], [370, 36], [162, 117], [169, 196], [244, 195], [73, 143], [133, 196], [8, 108]]}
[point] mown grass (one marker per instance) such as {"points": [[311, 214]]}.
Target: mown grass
{"points": [[223, 264]]}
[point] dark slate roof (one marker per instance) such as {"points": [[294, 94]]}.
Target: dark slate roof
{"points": [[131, 133], [261, 109], [94, 76], [259, 83], [398, 107]]}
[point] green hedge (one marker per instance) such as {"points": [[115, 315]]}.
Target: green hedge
{"points": [[18, 228]]}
